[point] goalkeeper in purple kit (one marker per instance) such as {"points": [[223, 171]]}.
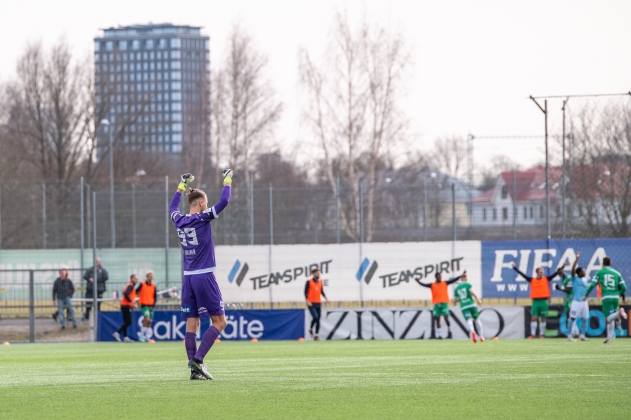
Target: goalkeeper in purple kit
{"points": [[201, 296]]}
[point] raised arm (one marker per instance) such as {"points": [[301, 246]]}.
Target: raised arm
{"points": [[421, 283], [578, 255], [528, 279], [556, 273], [224, 199], [455, 279]]}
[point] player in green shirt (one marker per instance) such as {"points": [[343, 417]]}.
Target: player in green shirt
{"points": [[467, 298], [611, 285]]}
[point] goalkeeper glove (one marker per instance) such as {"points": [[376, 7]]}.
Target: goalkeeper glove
{"points": [[184, 181], [227, 176]]}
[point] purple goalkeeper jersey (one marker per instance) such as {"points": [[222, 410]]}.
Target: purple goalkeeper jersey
{"points": [[196, 235]]}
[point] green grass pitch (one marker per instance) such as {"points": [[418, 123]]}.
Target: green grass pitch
{"points": [[343, 379]]}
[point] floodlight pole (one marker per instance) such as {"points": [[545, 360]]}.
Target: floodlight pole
{"points": [[544, 109]]}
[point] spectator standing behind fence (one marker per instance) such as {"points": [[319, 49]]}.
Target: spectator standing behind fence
{"points": [[63, 289], [102, 277], [128, 303]]}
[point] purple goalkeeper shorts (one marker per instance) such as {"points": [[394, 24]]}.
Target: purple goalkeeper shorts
{"points": [[201, 296]]}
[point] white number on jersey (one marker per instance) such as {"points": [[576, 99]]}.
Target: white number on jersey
{"points": [[462, 294], [188, 236], [610, 281]]}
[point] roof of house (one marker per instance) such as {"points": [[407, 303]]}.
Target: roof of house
{"points": [[529, 185]]}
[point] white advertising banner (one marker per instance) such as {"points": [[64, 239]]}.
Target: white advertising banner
{"points": [[413, 323], [374, 271]]}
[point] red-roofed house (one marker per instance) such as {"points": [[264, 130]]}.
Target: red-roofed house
{"points": [[528, 191]]}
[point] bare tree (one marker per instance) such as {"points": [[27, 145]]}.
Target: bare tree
{"points": [[48, 110], [450, 155], [244, 108], [600, 178], [353, 108]]}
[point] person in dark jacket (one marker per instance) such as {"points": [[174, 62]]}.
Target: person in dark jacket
{"points": [[63, 289], [101, 277]]}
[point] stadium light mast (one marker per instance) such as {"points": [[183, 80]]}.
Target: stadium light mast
{"points": [[544, 109], [110, 130]]}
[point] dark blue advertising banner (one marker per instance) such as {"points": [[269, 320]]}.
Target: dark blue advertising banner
{"points": [[286, 324], [557, 323], [499, 280]]}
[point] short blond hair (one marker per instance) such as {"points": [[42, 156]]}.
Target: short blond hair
{"points": [[149, 272]]}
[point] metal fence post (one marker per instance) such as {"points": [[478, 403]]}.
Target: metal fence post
{"points": [[424, 209], [82, 221], [361, 238], [166, 230], [337, 209], [44, 215], [453, 212], [361, 213], [31, 305], [271, 241], [133, 214], [251, 209], [0, 217], [514, 205], [95, 286], [563, 173], [88, 217]]}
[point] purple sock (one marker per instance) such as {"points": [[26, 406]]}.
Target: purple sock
{"points": [[207, 342], [190, 342]]}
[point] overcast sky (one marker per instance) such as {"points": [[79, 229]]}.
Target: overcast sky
{"points": [[475, 62]]}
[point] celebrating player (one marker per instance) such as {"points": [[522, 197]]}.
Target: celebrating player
{"points": [[313, 290], [611, 284], [147, 296], [565, 286], [201, 296], [440, 300], [539, 293], [465, 295], [579, 308], [128, 303]]}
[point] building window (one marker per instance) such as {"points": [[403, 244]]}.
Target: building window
{"points": [[149, 44], [504, 213], [483, 214], [97, 45], [135, 44], [176, 116], [541, 212], [525, 213], [504, 192], [177, 138], [176, 96], [176, 43], [122, 45], [176, 75], [494, 214], [176, 86], [557, 209], [109, 45], [162, 43], [176, 65], [175, 55], [96, 57], [176, 127], [531, 213]]}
